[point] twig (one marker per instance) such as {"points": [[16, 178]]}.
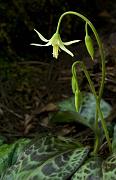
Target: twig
{"points": [[11, 111]]}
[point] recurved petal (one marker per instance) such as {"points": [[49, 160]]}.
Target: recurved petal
{"points": [[71, 42], [66, 50], [41, 37], [48, 44]]}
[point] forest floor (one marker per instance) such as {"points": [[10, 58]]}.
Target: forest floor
{"points": [[32, 88]]}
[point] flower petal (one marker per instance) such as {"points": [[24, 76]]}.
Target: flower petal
{"points": [[66, 50], [48, 44], [71, 42], [41, 37]]}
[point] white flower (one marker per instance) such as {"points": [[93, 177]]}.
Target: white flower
{"points": [[56, 42]]}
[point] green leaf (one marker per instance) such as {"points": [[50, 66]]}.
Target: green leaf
{"points": [[6, 153], [68, 117], [90, 170], [86, 115], [109, 168], [48, 158], [52, 158], [9, 153], [19, 147], [96, 169], [67, 105]]}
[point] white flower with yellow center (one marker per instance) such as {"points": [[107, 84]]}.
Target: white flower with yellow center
{"points": [[56, 42]]}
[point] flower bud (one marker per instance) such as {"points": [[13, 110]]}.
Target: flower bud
{"points": [[74, 84], [77, 100], [89, 45]]}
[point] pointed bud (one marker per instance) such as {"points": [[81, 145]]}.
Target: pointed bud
{"points": [[74, 84], [89, 45], [77, 100], [74, 80]]}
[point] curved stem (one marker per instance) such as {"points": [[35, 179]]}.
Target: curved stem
{"points": [[98, 106], [102, 62], [97, 39], [75, 75], [86, 29]]}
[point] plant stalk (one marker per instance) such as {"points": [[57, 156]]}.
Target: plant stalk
{"points": [[96, 146], [98, 108]]}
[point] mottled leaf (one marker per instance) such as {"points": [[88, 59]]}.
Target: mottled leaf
{"points": [[109, 168], [6, 153], [87, 111], [90, 170], [10, 153], [47, 159], [19, 147]]}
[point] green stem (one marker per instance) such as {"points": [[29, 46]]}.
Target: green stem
{"points": [[96, 145], [97, 39], [86, 29], [98, 106], [102, 62]]}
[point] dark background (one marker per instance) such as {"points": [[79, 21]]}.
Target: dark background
{"points": [[19, 18]]}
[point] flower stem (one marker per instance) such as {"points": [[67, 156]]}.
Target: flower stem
{"points": [[98, 106], [97, 39], [103, 69]]}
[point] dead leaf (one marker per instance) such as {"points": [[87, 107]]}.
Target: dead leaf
{"points": [[51, 107]]}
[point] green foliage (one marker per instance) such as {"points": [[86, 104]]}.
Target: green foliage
{"points": [[86, 115], [90, 170], [109, 167], [10, 152], [51, 158], [47, 158], [6, 153], [97, 169], [58, 158]]}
